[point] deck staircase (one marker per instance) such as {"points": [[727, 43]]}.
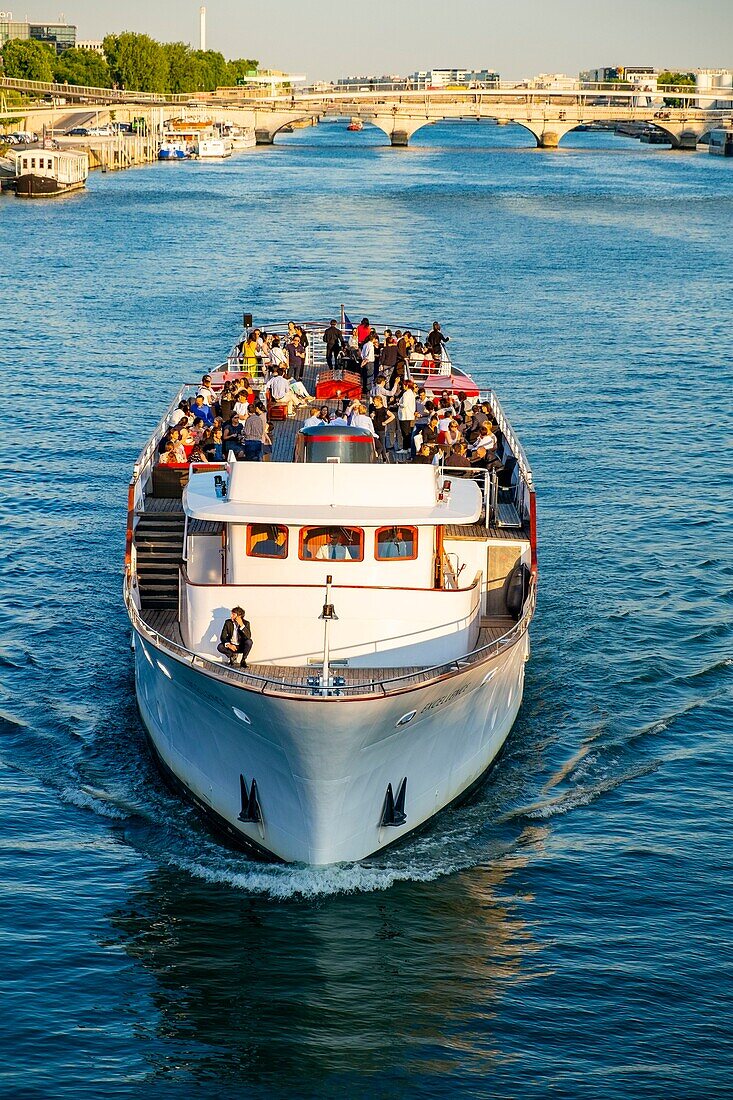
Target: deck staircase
{"points": [[159, 547]]}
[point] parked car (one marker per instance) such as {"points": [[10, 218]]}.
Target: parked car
{"points": [[78, 131]]}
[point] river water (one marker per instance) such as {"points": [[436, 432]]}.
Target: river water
{"points": [[567, 932]]}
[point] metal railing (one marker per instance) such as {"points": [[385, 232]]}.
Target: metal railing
{"points": [[318, 93], [368, 688]]}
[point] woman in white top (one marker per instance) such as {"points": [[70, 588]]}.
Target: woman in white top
{"points": [[278, 357], [486, 440]]}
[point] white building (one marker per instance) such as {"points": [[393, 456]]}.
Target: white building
{"points": [[719, 82], [554, 81], [93, 45], [446, 78]]}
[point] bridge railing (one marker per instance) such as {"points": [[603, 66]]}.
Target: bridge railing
{"points": [[396, 92]]}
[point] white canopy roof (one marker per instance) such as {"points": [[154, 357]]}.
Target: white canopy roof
{"points": [[332, 493]]}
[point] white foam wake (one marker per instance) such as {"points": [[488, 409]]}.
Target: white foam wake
{"points": [[284, 882]]}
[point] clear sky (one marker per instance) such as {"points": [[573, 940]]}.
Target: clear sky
{"points": [[329, 38]]}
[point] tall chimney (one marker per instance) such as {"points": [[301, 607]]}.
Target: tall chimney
{"points": [[202, 27]]}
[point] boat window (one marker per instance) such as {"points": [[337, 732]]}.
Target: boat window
{"points": [[267, 540], [331, 544], [396, 543]]}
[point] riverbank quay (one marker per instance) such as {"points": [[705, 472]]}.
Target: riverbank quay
{"points": [[114, 153]]}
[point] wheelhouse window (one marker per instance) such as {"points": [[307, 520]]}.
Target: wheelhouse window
{"points": [[396, 544], [331, 544], [267, 540]]}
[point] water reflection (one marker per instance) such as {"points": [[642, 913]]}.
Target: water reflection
{"points": [[292, 996]]}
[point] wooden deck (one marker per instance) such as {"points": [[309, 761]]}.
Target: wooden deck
{"points": [[297, 676], [479, 531], [162, 504], [163, 622]]}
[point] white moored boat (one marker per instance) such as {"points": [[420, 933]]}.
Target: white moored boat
{"points": [[390, 604]]}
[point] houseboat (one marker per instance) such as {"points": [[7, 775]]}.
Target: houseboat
{"points": [[45, 173], [211, 147], [720, 143], [240, 137], [389, 604]]}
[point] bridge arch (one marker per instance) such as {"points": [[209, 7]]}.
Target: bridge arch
{"points": [[685, 135], [548, 133], [267, 127], [399, 128]]}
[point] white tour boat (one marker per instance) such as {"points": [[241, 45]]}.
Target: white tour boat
{"points": [[389, 603]]}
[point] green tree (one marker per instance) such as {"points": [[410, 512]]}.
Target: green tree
{"points": [[678, 80], [137, 62], [29, 60], [183, 68], [83, 67], [212, 68], [240, 68]]}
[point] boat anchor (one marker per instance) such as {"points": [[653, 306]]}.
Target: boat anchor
{"points": [[250, 814], [394, 808]]}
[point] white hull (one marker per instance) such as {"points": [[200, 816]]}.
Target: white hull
{"points": [[243, 141], [322, 766]]}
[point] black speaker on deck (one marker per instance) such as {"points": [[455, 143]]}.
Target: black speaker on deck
{"points": [[247, 319]]}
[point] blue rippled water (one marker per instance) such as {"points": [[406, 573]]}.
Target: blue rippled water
{"points": [[566, 933]]}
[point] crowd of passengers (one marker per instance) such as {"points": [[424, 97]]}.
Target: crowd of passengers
{"points": [[402, 416]]}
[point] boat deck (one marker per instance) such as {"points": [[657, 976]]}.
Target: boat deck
{"points": [[165, 623]]}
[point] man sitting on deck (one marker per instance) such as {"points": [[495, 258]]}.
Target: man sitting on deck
{"points": [[236, 638], [279, 392]]}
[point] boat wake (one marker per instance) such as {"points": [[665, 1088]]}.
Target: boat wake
{"points": [[284, 882], [96, 760]]}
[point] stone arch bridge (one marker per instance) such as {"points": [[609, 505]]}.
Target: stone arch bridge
{"points": [[548, 114], [547, 119]]}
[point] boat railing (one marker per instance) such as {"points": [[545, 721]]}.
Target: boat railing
{"points": [[487, 483], [311, 688], [509, 435], [150, 450]]}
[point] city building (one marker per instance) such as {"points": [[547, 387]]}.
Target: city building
{"points": [[552, 81], [643, 75], [387, 80], [450, 78], [62, 36], [93, 45]]}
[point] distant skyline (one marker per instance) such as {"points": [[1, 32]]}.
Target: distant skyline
{"points": [[326, 39]]}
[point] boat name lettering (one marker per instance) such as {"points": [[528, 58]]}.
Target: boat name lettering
{"points": [[446, 698]]}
